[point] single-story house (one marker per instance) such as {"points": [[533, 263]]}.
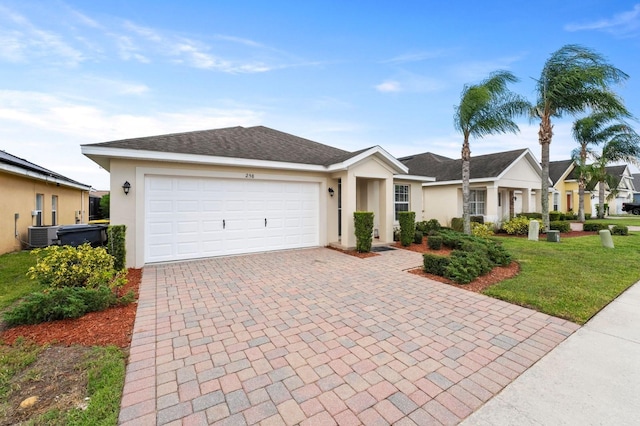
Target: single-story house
{"points": [[241, 190], [34, 197], [502, 185], [564, 196]]}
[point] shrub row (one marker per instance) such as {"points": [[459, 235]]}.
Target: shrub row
{"points": [[471, 257]]}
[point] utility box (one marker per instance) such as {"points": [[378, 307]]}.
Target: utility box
{"points": [[553, 236], [75, 235]]}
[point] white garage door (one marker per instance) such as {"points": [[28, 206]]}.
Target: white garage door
{"points": [[187, 218]]}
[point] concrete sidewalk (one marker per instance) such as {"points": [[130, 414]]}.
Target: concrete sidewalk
{"points": [[591, 378]]}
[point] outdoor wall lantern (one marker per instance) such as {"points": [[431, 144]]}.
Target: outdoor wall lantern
{"points": [[126, 186], [331, 191]]}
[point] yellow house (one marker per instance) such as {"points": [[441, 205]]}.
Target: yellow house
{"points": [[565, 194], [33, 196]]}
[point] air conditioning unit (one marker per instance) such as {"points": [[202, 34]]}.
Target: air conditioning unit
{"points": [[42, 236]]}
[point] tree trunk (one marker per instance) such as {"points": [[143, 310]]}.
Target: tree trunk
{"points": [[544, 137], [582, 183], [466, 157], [601, 200]]}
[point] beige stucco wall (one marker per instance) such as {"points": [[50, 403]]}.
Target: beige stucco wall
{"points": [[441, 203], [19, 196], [372, 176], [129, 209]]}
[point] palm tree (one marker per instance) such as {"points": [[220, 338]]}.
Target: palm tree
{"points": [[623, 147], [573, 79], [593, 130], [485, 108]]}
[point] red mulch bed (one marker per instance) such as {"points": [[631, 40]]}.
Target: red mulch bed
{"points": [[113, 326], [354, 253]]}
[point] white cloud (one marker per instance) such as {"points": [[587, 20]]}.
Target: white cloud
{"points": [[389, 86], [622, 24], [25, 42], [478, 70], [48, 130]]}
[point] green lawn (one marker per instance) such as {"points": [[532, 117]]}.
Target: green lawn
{"points": [[14, 283], [630, 220], [572, 279]]}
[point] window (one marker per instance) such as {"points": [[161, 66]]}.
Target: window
{"points": [[556, 202], [38, 210], [401, 199], [54, 210], [477, 202]]}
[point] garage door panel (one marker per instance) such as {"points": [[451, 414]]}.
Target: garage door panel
{"points": [[198, 217]]}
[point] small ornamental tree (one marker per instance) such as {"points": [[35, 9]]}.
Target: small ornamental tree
{"points": [[407, 227], [363, 222]]}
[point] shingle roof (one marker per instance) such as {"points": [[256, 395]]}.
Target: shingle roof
{"points": [[253, 143], [557, 169], [12, 160], [446, 169]]}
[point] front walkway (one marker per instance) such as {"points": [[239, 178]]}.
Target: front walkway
{"points": [[319, 337]]}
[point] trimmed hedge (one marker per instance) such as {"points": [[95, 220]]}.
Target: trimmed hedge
{"points": [[620, 230], [434, 264], [407, 227], [116, 245], [363, 222], [594, 227], [532, 215], [560, 225], [555, 216], [434, 242], [417, 238], [457, 224], [428, 226], [471, 257]]}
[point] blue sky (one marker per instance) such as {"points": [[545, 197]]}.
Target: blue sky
{"points": [[350, 74]]}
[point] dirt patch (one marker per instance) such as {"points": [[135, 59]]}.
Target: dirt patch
{"points": [[355, 253], [58, 376]]}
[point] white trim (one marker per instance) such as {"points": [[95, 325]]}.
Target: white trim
{"points": [[41, 176], [397, 165], [414, 177], [101, 155], [459, 181]]}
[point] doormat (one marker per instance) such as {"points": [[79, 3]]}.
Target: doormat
{"points": [[381, 248]]}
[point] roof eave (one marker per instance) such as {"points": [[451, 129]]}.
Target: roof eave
{"points": [[397, 166], [21, 171]]}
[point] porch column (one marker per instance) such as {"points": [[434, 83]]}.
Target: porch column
{"points": [[492, 209], [349, 192], [526, 200], [387, 209]]}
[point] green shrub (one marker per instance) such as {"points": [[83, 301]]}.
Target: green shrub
{"points": [[434, 242], [560, 225], [594, 227], [476, 219], [60, 303], [67, 266], [434, 264], [531, 215], [363, 222], [407, 227], [417, 238], [498, 254], [433, 225], [116, 245], [517, 226], [422, 227], [482, 230], [555, 216], [569, 216], [587, 216], [457, 224], [620, 230], [465, 266]]}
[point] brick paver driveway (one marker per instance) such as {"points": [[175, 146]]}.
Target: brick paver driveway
{"points": [[319, 337]]}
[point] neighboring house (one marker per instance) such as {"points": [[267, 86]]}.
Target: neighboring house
{"points": [[501, 185], [564, 197], [33, 196], [242, 190], [624, 188], [636, 186]]}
